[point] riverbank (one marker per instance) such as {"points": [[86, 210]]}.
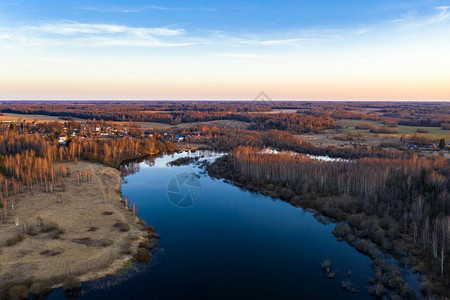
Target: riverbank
{"points": [[368, 234], [82, 229]]}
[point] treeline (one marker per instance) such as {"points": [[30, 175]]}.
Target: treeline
{"points": [[27, 161], [110, 151], [402, 205], [410, 114], [226, 139], [294, 122]]}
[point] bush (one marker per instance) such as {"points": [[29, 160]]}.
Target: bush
{"points": [[72, 287], [104, 243], [142, 256], [407, 292], [393, 281], [41, 288], [326, 266], [355, 220], [123, 227], [18, 292], [55, 235], [363, 246], [92, 229], [32, 230], [50, 252], [54, 230], [49, 227], [14, 240], [341, 230], [382, 129], [144, 245], [377, 290]]}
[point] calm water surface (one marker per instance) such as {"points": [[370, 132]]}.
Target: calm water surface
{"points": [[232, 244]]}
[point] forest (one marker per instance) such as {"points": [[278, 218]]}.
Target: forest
{"points": [[401, 205]]}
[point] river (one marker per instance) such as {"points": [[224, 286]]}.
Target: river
{"points": [[221, 242]]}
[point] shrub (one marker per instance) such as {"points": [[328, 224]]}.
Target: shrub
{"points": [[104, 243], [123, 227], [142, 256], [54, 230], [422, 130], [350, 238], [382, 129], [49, 227], [355, 220], [144, 245], [72, 287], [363, 246], [14, 240], [32, 230], [407, 292], [384, 223], [92, 229], [41, 288], [84, 241], [51, 252], [341, 230], [4, 289], [393, 281], [378, 236], [326, 266], [377, 290], [55, 235], [18, 292]]}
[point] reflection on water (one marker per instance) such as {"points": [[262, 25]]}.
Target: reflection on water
{"points": [[232, 244]]}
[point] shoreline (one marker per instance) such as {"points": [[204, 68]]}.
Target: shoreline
{"points": [[345, 233], [87, 232]]}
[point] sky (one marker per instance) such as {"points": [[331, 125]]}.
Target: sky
{"points": [[225, 50]]}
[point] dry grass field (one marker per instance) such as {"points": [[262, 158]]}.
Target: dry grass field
{"points": [[30, 118], [86, 230], [163, 126], [433, 132]]}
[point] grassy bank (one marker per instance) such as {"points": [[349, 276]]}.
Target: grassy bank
{"points": [[80, 232]]}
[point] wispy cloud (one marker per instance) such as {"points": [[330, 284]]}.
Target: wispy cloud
{"points": [[272, 42], [247, 55], [92, 35], [114, 9], [412, 19], [443, 15], [123, 9], [72, 28]]}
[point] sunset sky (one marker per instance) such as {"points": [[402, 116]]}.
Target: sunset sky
{"points": [[299, 50]]}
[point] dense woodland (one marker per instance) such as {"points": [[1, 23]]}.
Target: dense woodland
{"points": [[400, 204]]}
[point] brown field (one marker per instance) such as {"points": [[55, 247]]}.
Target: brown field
{"points": [[218, 123], [144, 125], [333, 138], [30, 118], [276, 111], [88, 246]]}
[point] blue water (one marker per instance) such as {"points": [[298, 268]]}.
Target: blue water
{"points": [[232, 244]]}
